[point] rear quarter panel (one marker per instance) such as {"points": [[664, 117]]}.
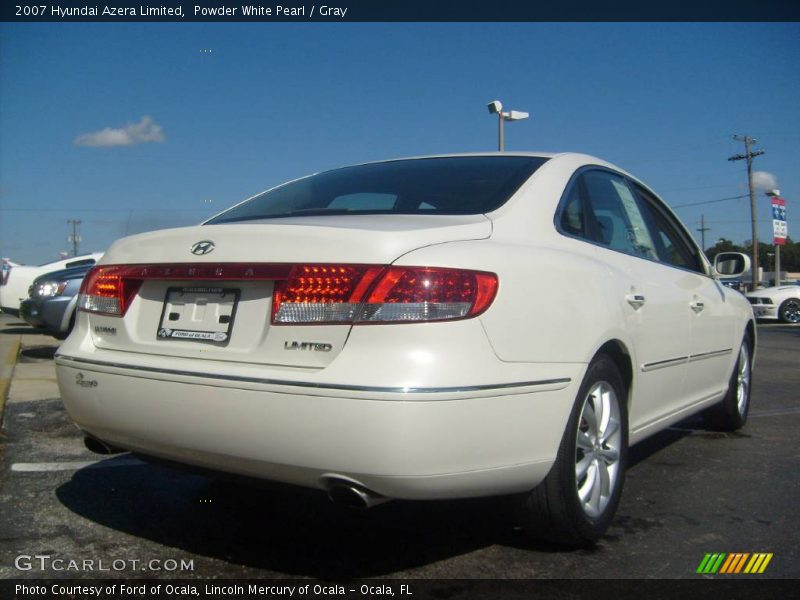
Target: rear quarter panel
{"points": [[551, 306]]}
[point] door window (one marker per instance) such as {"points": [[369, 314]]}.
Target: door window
{"points": [[602, 208], [671, 244]]}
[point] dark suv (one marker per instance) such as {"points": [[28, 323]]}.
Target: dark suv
{"points": [[53, 298]]}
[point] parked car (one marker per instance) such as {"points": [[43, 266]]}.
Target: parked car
{"points": [[734, 284], [782, 302], [427, 328], [53, 301], [17, 279]]}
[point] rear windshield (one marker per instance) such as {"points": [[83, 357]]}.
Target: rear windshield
{"points": [[465, 185]]}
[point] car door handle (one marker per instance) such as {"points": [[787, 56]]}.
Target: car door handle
{"points": [[635, 300], [697, 306]]}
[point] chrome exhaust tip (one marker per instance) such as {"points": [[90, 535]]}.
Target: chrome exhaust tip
{"points": [[100, 447], [352, 496]]}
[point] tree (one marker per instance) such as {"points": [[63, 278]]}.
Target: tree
{"points": [[790, 255], [723, 245]]}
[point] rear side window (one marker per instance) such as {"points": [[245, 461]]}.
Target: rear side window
{"points": [[448, 185], [606, 209], [601, 208]]}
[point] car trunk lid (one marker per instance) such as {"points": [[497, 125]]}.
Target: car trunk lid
{"points": [[206, 292]]}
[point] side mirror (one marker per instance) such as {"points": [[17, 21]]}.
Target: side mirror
{"points": [[731, 264]]}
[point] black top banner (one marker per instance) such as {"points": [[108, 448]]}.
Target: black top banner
{"points": [[68, 11]]}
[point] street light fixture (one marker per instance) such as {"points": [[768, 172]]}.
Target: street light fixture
{"points": [[496, 108]]}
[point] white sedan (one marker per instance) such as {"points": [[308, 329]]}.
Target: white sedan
{"points": [[16, 280], [782, 303], [438, 327]]}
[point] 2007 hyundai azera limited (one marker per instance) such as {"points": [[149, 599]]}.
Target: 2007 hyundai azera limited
{"points": [[426, 328]]}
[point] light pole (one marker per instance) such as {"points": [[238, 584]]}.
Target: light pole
{"points": [[75, 239], [496, 108]]}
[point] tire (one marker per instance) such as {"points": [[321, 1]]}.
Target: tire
{"points": [[585, 466], [731, 412], [789, 311]]}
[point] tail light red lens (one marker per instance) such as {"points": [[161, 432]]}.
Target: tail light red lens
{"points": [[322, 293], [107, 291], [314, 293], [368, 294], [428, 294]]}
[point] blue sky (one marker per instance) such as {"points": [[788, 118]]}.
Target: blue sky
{"points": [[237, 108]]}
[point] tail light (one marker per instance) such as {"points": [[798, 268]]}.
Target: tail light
{"points": [[105, 290], [368, 294], [322, 293], [314, 293]]}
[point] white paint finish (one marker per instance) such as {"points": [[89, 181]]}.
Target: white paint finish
{"points": [[719, 326], [295, 437], [559, 300], [357, 239], [778, 295]]}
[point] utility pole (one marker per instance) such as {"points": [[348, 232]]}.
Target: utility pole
{"points": [[749, 156], [75, 239], [702, 229]]}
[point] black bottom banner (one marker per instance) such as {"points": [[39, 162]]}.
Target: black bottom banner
{"points": [[410, 589]]}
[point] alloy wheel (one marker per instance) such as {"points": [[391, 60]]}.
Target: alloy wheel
{"points": [[791, 311], [597, 449], [743, 379]]}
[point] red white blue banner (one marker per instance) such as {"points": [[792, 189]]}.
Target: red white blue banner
{"points": [[779, 229]]}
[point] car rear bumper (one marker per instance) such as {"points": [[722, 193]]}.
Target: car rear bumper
{"points": [[420, 443]]}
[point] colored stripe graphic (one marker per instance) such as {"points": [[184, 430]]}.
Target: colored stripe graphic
{"points": [[759, 562], [711, 563], [734, 563]]}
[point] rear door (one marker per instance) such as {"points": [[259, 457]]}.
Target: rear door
{"points": [[603, 209]]}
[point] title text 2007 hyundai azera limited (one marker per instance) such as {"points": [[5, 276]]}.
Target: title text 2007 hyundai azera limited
{"points": [[437, 327]]}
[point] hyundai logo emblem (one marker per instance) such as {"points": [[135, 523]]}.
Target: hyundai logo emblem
{"points": [[204, 247]]}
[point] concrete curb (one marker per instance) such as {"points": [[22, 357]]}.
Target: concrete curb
{"points": [[10, 352]]}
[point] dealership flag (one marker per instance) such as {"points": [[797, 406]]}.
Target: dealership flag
{"points": [[779, 230]]}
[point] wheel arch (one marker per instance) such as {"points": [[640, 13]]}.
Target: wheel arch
{"points": [[618, 352], [750, 328]]}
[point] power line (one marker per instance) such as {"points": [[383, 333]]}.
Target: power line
{"points": [[697, 187], [708, 201]]}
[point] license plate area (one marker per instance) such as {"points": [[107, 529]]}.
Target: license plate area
{"points": [[198, 314]]}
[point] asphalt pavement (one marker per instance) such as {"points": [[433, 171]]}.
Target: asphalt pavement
{"points": [[688, 492]]}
